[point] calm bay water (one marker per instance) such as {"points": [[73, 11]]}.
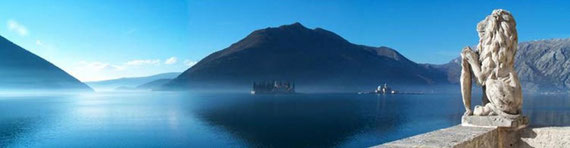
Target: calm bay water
{"points": [[162, 119]]}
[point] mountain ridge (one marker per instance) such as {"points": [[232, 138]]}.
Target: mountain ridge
{"points": [[129, 82], [542, 66], [539, 63], [316, 57]]}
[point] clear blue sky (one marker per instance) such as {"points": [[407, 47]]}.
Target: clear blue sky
{"points": [[103, 39]]}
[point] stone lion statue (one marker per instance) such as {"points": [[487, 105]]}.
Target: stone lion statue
{"points": [[492, 67]]}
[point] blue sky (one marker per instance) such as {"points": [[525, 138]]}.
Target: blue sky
{"points": [[104, 39]]}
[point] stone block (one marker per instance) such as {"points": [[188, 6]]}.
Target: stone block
{"points": [[494, 121], [456, 136], [545, 137]]}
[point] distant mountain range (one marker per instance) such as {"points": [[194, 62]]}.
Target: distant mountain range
{"points": [[320, 60], [316, 59], [25, 71], [132, 83], [152, 85], [542, 66]]}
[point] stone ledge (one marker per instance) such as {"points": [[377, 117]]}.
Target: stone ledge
{"points": [[545, 137], [456, 136], [464, 136]]}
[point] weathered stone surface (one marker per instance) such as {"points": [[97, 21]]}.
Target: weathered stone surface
{"points": [[462, 136], [456, 136], [494, 121], [552, 137], [508, 137]]}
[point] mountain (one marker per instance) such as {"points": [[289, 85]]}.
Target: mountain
{"points": [[153, 84], [129, 83], [542, 66], [23, 70], [316, 59], [452, 69]]}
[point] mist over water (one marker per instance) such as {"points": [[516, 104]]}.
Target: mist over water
{"points": [[183, 119]]}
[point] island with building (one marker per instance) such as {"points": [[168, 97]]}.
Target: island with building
{"points": [[381, 89], [273, 87]]}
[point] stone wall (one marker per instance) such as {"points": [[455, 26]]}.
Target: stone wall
{"points": [[474, 137]]}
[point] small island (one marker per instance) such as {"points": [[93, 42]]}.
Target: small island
{"points": [[273, 87], [381, 89]]}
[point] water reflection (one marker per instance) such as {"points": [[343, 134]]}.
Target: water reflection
{"points": [[325, 120], [12, 129], [547, 110], [239, 120], [284, 121], [21, 116]]}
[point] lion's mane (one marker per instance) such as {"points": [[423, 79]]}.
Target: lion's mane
{"points": [[497, 44]]}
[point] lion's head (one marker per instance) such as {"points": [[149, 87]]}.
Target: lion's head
{"points": [[497, 42]]}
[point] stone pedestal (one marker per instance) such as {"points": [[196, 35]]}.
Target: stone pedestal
{"points": [[507, 128], [495, 121]]}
